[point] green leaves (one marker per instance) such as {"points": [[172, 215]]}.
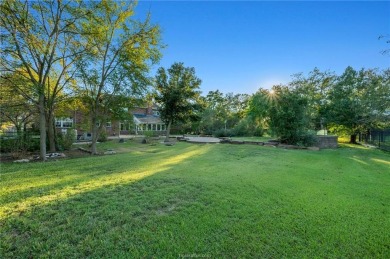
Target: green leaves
{"points": [[177, 92], [354, 101], [359, 100]]}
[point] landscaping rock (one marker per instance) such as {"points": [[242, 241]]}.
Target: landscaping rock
{"points": [[55, 155], [22, 161], [314, 148], [109, 152]]}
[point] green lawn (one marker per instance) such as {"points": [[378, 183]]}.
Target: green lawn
{"points": [[199, 200]]}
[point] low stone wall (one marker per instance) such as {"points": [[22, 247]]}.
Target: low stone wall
{"points": [[327, 141]]}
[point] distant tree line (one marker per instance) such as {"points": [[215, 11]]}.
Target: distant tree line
{"points": [[347, 104]]}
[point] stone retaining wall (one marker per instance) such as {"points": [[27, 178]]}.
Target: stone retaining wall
{"points": [[327, 141]]}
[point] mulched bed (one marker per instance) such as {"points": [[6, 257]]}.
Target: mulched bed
{"points": [[10, 157]]}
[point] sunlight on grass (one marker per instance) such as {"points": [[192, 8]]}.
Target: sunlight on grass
{"points": [[30, 182], [354, 146], [112, 179], [381, 161], [358, 160], [156, 201]]}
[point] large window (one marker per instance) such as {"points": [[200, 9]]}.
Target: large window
{"points": [[64, 123]]}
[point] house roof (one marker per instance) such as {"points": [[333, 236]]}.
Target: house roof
{"points": [[147, 119]]}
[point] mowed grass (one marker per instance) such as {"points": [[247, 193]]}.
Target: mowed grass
{"points": [[199, 200]]}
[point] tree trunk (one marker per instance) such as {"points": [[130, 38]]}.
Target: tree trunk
{"points": [[94, 136], [353, 139], [42, 126], [168, 131], [119, 129], [51, 132], [19, 131]]}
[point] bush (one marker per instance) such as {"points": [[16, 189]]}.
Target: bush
{"points": [[102, 136], [309, 139], [65, 141], [248, 127], [149, 134], [222, 133], [19, 143]]}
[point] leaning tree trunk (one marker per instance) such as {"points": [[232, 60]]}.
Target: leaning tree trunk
{"points": [[42, 126], [168, 131], [352, 139]]}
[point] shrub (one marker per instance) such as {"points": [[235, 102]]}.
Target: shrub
{"points": [[149, 134], [19, 143], [65, 141], [248, 127], [102, 136], [308, 139], [221, 133]]}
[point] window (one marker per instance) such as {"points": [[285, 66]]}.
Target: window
{"points": [[64, 123], [156, 113], [108, 124]]}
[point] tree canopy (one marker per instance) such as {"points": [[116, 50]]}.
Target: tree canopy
{"points": [[40, 42], [177, 93], [118, 61]]}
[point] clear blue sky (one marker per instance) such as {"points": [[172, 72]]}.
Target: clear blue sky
{"points": [[238, 46]]}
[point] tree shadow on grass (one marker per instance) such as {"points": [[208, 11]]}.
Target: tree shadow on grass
{"points": [[111, 207], [82, 177], [100, 222]]}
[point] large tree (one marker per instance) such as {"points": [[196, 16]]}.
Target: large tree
{"points": [[359, 100], [222, 111], [288, 115], [40, 42], [122, 52], [177, 94], [258, 108], [315, 87]]}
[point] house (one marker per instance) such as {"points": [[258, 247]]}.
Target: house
{"points": [[145, 118], [148, 119]]}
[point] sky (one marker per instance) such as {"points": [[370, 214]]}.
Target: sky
{"points": [[241, 46]]}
